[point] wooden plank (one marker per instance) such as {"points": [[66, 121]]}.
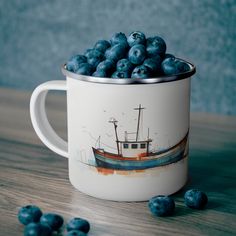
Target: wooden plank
{"points": [[30, 173]]}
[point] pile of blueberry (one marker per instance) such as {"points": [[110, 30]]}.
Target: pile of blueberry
{"points": [[165, 206], [39, 224], [133, 57]]}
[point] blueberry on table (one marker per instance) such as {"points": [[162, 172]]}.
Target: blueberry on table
{"points": [[154, 64], [102, 45], [137, 54], [85, 69], [119, 38], [120, 75], [136, 37], [54, 221], [37, 229], [78, 224], [100, 73], [161, 205], [76, 233], [196, 199], [28, 214], [155, 46], [107, 66], [73, 63], [116, 52], [124, 65], [140, 72]]}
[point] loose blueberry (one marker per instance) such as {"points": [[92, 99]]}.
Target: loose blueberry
{"points": [[28, 214], [120, 75], [102, 45], [119, 38], [75, 233], [140, 72], [37, 229], [137, 54], [74, 62], [85, 69], [161, 206], [78, 224], [155, 46], [116, 52], [100, 73], [154, 64], [107, 66], [136, 37], [54, 221], [95, 57], [124, 65], [195, 199]]}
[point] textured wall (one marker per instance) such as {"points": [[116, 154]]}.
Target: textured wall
{"points": [[36, 37]]}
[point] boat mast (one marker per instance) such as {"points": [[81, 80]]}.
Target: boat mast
{"points": [[139, 113], [114, 121]]}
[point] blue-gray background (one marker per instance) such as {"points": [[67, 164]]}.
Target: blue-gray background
{"points": [[36, 37]]}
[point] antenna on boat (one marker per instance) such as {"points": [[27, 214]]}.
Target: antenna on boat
{"points": [[114, 122], [139, 113]]}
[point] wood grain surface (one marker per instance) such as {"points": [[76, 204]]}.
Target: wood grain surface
{"points": [[32, 174]]}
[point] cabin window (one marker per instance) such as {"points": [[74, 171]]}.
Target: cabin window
{"points": [[134, 146], [143, 145], [125, 145]]}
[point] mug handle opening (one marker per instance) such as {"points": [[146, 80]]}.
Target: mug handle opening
{"points": [[39, 117]]}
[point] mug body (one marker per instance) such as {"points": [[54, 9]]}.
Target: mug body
{"points": [[128, 142]]}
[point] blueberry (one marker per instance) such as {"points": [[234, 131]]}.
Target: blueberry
{"points": [[137, 54], [87, 52], [195, 199], [136, 37], [85, 69], [169, 66], [119, 38], [54, 221], [107, 66], [99, 73], [78, 224], [154, 64], [116, 52], [74, 62], [161, 205], [182, 66], [167, 55], [28, 214], [37, 229], [120, 75], [94, 57], [140, 72], [75, 233], [155, 46], [124, 65], [102, 45]]}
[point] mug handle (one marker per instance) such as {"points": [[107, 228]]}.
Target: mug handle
{"points": [[39, 118]]}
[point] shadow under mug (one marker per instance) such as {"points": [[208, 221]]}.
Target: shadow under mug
{"points": [[127, 138]]}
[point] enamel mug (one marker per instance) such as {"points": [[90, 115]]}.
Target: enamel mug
{"points": [[127, 138]]}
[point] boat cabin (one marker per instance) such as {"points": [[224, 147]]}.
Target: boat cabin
{"points": [[134, 149]]}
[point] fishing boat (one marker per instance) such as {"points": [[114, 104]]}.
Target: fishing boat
{"points": [[135, 154]]}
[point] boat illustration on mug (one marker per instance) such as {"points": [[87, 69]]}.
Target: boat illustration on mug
{"points": [[135, 154]]}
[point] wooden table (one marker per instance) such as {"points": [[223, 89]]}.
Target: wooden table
{"points": [[32, 174]]}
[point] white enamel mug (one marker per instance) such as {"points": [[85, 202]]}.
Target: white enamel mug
{"points": [[127, 138]]}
